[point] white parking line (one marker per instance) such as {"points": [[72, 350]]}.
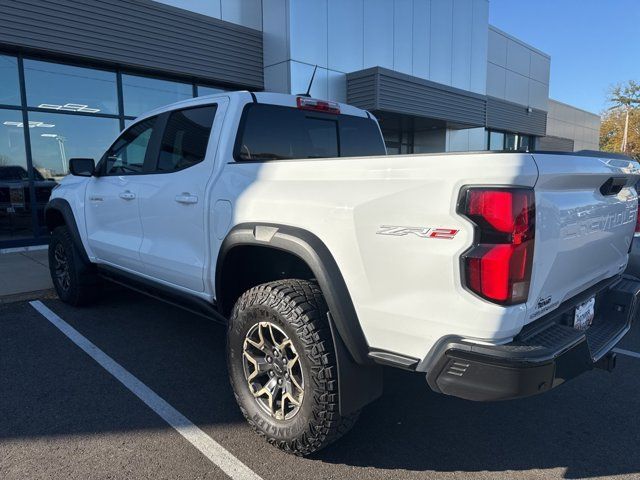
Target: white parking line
{"points": [[211, 449], [627, 352]]}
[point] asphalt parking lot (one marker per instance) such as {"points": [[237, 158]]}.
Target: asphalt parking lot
{"points": [[62, 415]]}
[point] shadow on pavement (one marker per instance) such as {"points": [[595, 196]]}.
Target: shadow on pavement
{"points": [[589, 426]]}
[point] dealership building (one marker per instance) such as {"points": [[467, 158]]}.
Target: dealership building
{"points": [[434, 72]]}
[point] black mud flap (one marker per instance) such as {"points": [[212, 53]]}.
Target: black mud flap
{"points": [[358, 384]]}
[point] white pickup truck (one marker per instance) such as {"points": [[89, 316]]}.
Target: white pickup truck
{"points": [[496, 275]]}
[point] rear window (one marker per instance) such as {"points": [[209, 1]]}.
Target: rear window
{"points": [[273, 132]]}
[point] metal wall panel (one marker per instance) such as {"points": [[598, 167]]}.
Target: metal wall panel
{"points": [[276, 78], [540, 66], [517, 88], [441, 41], [337, 82], [362, 89], [205, 7], [308, 26], [242, 12], [378, 33], [503, 115], [496, 80], [421, 38], [479, 46], [275, 31], [139, 34], [346, 23], [461, 44], [538, 95], [386, 90], [497, 52], [402, 36], [518, 58]]}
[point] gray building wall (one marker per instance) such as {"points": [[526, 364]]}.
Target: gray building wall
{"points": [[517, 72], [142, 35], [573, 124], [243, 12], [438, 40]]}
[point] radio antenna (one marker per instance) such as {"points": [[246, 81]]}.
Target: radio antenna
{"points": [[313, 75]]}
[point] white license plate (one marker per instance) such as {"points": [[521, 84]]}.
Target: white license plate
{"points": [[584, 314]]}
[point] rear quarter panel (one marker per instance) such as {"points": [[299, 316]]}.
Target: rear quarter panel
{"points": [[406, 289]]}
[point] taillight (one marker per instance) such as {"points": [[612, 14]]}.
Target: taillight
{"points": [[498, 266], [306, 103], [637, 232]]}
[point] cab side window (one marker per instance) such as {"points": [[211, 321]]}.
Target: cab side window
{"points": [[185, 138], [126, 156]]}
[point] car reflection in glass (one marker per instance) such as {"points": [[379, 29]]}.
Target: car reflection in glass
{"points": [[15, 201]]}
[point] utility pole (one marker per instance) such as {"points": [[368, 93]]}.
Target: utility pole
{"points": [[625, 135], [625, 97]]}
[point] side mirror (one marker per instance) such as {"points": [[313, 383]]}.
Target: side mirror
{"points": [[82, 167]]}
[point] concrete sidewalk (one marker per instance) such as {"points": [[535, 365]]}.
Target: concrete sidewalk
{"points": [[24, 274]]}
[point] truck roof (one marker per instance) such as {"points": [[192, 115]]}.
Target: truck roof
{"points": [[244, 97]]}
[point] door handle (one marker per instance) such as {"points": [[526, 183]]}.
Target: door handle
{"points": [[127, 195], [186, 198]]}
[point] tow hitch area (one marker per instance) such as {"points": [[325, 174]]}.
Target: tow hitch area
{"points": [[608, 362], [545, 354]]}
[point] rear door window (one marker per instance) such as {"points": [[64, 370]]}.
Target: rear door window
{"points": [[273, 132], [185, 138]]}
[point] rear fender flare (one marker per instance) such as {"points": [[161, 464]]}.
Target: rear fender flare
{"points": [[360, 380]]}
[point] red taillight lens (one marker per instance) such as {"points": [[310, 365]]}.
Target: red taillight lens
{"points": [[637, 232], [498, 266]]}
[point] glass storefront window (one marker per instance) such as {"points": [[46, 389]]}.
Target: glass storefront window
{"points": [[525, 143], [58, 137], [15, 202], [66, 88], [9, 81], [142, 94], [496, 141], [204, 90], [510, 141], [55, 138]]}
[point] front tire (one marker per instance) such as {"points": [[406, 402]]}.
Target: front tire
{"points": [[282, 366], [75, 281]]}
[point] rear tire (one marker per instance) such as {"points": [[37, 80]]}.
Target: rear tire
{"points": [[76, 282], [291, 313]]}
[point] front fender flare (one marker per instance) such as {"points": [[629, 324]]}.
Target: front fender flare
{"points": [[62, 206]]}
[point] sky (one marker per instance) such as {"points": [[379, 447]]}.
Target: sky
{"points": [[593, 44]]}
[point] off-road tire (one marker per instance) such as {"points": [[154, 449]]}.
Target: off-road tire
{"points": [[299, 309], [83, 283]]}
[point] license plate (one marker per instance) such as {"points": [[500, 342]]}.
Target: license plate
{"points": [[584, 314]]}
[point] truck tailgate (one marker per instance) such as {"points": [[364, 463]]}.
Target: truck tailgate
{"points": [[586, 214]]}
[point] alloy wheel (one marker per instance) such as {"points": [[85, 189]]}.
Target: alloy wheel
{"points": [[61, 267], [273, 371]]}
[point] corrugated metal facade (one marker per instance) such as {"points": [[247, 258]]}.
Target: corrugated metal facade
{"points": [[389, 91], [138, 34], [503, 115]]}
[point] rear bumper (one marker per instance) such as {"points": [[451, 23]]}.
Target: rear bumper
{"points": [[547, 353]]}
